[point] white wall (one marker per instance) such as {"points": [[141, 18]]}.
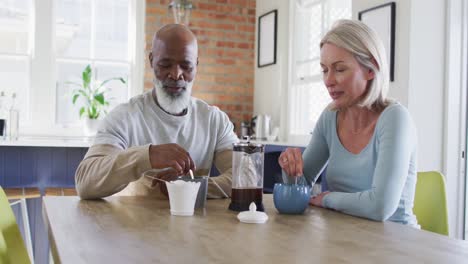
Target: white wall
{"points": [[271, 81], [426, 80]]}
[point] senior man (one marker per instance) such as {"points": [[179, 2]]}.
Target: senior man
{"points": [[165, 132]]}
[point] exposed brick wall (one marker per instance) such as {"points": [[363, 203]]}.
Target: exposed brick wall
{"points": [[225, 30]]}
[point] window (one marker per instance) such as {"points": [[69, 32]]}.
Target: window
{"points": [[47, 43], [308, 97], [91, 32], [15, 50]]}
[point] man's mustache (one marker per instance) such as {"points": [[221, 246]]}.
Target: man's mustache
{"points": [[171, 83]]}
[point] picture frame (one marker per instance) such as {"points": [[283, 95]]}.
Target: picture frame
{"points": [[382, 19], [267, 37]]}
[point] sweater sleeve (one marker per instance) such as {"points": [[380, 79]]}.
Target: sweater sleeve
{"points": [[225, 135], [107, 169], [396, 142], [220, 186]]}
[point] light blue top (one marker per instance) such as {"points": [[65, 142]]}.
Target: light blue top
{"points": [[378, 183]]}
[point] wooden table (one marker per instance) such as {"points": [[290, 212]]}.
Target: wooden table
{"points": [[141, 230]]}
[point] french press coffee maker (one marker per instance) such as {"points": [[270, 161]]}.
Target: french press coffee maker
{"points": [[247, 176]]}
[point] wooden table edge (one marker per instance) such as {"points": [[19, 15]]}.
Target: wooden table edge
{"points": [[53, 246]]}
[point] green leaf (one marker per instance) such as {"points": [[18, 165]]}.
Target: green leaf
{"points": [[75, 97], [82, 110], [92, 112], [111, 79], [73, 83], [87, 76], [100, 98], [82, 92]]}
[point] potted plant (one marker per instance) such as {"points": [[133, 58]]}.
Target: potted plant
{"points": [[94, 95]]}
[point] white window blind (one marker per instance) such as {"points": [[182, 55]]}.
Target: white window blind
{"points": [[308, 96]]}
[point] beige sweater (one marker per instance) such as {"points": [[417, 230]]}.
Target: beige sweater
{"points": [[108, 170]]}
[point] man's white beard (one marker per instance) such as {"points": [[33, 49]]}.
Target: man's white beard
{"points": [[170, 103]]}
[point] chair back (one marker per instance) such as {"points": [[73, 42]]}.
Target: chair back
{"points": [[12, 248], [430, 202]]}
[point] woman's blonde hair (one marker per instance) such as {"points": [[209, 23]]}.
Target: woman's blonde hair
{"points": [[366, 47]]}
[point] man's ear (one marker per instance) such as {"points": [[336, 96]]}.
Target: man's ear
{"points": [[150, 57]]}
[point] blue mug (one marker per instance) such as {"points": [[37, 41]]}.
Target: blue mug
{"points": [[291, 198]]}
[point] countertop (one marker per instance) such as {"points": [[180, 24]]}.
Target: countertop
{"points": [[279, 143], [85, 142], [42, 141]]}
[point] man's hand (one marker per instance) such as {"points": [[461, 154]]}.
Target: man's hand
{"points": [[171, 156], [166, 175]]}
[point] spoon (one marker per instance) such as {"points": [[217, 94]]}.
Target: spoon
{"points": [[154, 178], [191, 174]]}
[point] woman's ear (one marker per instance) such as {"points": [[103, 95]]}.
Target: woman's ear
{"points": [[370, 74]]}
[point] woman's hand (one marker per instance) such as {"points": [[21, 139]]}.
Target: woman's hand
{"points": [[318, 199], [291, 162]]}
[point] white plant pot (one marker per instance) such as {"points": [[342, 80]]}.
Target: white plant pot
{"points": [[91, 126]]}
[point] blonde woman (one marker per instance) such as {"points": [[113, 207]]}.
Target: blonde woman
{"points": [[367, 141]]}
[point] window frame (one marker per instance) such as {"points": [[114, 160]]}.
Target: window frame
{"points": [[27, 57], [294, 81], [43, 74]]}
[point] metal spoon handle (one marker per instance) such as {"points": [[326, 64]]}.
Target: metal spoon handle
{"points": [[154, 178]]}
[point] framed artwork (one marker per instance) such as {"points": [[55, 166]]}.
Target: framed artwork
{"points": [[267, 28], [382, 19]]}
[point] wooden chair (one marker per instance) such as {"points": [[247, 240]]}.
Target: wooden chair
{"points": [[12, 248]]}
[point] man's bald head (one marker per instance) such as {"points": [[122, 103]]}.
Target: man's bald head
{"points": [[173, 33]]}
